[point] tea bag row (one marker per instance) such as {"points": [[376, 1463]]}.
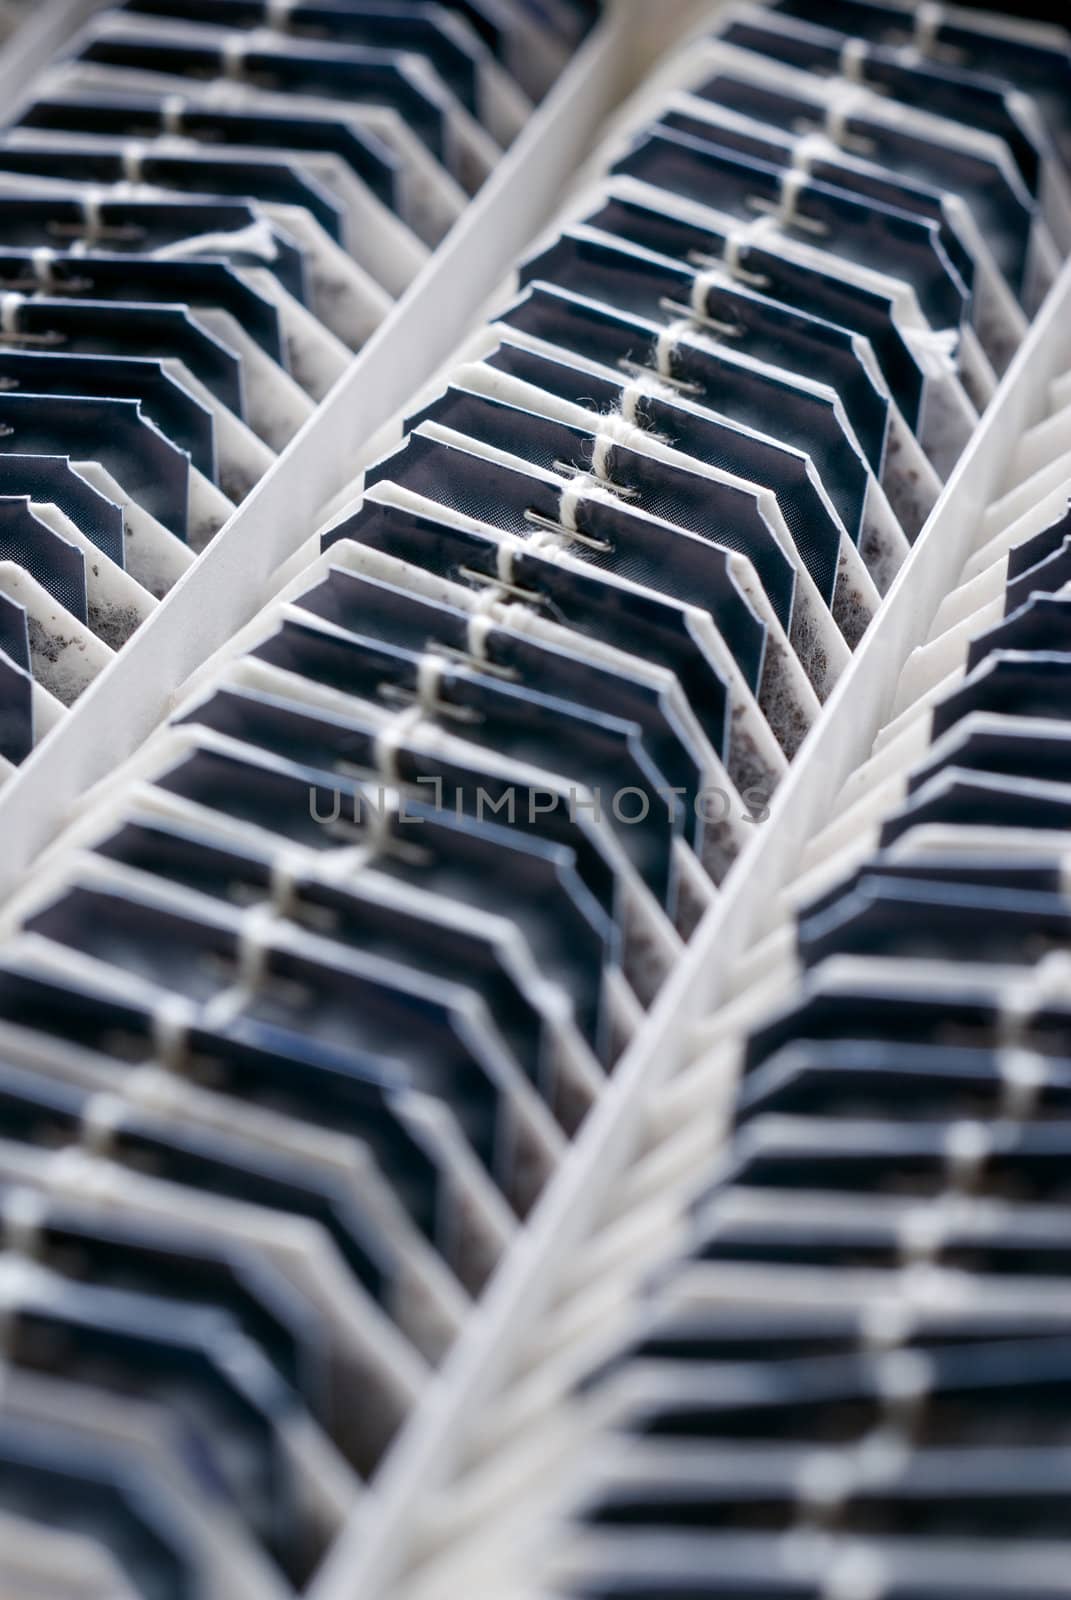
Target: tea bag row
{"points": [[455, 933], [187, 263], [845, 1363], [826, 1351], [344, 1128], [385, 118], [154, 1429], [954, 49], [438, 990], [370, 1101], [228, 1267], [733, 126]]}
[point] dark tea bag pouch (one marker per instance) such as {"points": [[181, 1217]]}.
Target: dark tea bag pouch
{"points": [[511, 719], [811, 416], [326, 70], [139, 1255], [872, 1078], [528, 505], [368, 911], [53, 561], [477, 863], [346, 598], [923, 148], [996, 322], [80, 222], [307, 996], [349, 740], [111, 431], [683, 418], [645, 284], [801, 513], [133, 116], [454, 50], [53, 1479], [84, 327], [174, 410], [912, 918], [870, 233], [414, 1142], [929, 402], [967, 97], [201, 1160], [98, 276], [623, 615], [245, 175]]}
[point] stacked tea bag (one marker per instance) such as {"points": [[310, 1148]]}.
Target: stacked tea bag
{"points": [[847, 1372], [202, 218], [817, 1342], [309, 1010]]}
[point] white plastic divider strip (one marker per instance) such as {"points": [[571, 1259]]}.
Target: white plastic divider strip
{"points": [[228, 584], [34, 43], [371, 1554]]}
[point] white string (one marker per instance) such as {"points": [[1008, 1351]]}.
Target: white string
{"points": [[233, 49], [287, 867], [632, 394], [929, 19], [572, 497], [42, 259], [429, 682], [23, 1213], [793, 183], [255, 933], [389, 740], [810, 148], [172, 110], [615, 428], [855, 1573], [903, 1379], [1023, 1075], [702, 283], [886, 1322], [103, 1115], [967, 1146], [92, 223], [171, 1022], [277, 14], [853, 58], [668, 340], [504, 560], [131, 157], [845, 101], [486, 602], [343, 864], [1019, 1000], [600, 453], [153, 1089], [480, 627], [742, 237], [920, 1234]]}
